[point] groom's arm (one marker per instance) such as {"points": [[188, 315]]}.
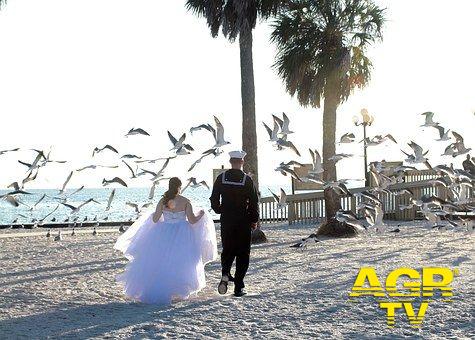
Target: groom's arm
{"points": [[216, 196]]}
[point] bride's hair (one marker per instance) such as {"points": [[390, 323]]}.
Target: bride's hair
{"points": [[173, 185]]}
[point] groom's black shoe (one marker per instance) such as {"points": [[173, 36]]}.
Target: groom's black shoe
{"points": [[240, 292], [223, 285]]}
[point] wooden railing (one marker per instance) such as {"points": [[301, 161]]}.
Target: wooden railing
{"points": [[310, 207]]}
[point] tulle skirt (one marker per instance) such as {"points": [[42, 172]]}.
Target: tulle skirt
{"points": [[167, 258]]}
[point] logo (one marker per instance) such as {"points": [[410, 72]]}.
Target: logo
{"points": [[406, 290]]}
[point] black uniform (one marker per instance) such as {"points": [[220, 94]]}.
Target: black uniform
{"points": [[236, 199]]}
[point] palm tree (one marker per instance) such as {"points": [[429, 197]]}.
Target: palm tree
{"points": [[321, 48], [238, 18]]}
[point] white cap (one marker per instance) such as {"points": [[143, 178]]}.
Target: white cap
{"points": [[238, 154]]}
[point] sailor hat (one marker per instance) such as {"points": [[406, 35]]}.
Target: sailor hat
{"points": [[238, 154]]}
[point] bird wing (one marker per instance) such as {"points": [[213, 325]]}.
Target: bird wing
{"points": [[441, 130], [283, 196], [109, 201], [119, 180], [172, 139], [67, 181], [286, 122], [390, 137], [458, 137], [130, 168], [269, 131], [219, 129], [278, 121], [276, 198]]}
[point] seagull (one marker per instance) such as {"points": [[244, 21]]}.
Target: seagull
{"points": [[131, 170], [317, 167], [109, 201], [35, 164], [95, 166], [207, 127], [2, 152], [183, 151], [285, 169], [192, 183], [443, 134], [338, 186], [347, 138], [418, 154], [395, 230], [349, 218], [11, 199], [159, 173], [58, 237], [273, 134], [76, 209], [213, 151], [459, 145], [339, 156], [151, 193], [219, 134], [130, 156], [428, 119], [117, 180], [312, 238], [179, 143], [66, 182], [106, 147], [283, 123], [280, 200], [283, 143], [138, 131]]}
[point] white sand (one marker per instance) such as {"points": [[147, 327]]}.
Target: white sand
{"points": [[67, 290]]}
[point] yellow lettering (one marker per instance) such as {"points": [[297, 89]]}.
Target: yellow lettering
{"points": [[413, 286]]}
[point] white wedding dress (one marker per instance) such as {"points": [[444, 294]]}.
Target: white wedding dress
{"points": [[167, 258]]}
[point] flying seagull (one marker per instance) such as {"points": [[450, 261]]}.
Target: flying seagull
{"points": [[137, 131], [66, 182], [193, 183], [428, 119], [106, 147], [280, 200], [111, 198], [117, 180]]}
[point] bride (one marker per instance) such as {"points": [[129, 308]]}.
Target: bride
{"points": [[167, 250]]}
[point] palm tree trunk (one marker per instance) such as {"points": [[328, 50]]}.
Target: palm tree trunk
{"points": [[249, 135], [248, 100], [332, 200]]}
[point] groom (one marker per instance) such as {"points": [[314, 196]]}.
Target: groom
{"points": [[235, 198]]}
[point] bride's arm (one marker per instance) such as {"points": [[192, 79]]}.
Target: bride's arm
{"points": [[158, 212], [190, 215]]}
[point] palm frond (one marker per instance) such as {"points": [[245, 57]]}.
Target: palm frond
{"points": [[322, 41]]}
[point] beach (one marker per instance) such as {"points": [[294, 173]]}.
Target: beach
{"points": [[66, 289]]}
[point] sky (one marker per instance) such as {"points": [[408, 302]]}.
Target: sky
{"points": [[79, 74]]}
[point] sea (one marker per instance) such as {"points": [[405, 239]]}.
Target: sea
{"points": [[119, 211]]}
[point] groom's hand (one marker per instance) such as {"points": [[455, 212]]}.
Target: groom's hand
{"points": [[254, 226]]}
